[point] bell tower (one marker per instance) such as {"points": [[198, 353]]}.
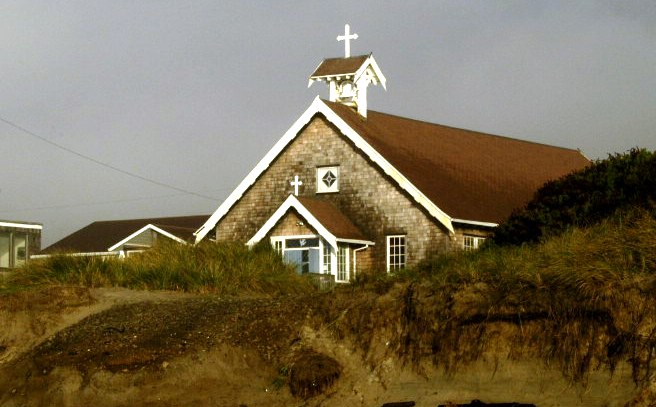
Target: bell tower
{"points": [[349, 77]]}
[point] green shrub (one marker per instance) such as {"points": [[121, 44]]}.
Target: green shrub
{"points": [[584, 198]]}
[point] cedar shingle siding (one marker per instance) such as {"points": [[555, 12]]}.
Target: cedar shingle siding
{"points": [[374, 204]]}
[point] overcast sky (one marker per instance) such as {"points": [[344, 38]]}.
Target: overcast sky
{"points": [[192, 94]]}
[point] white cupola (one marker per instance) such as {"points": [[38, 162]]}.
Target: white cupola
{"points": [[349, 77]]}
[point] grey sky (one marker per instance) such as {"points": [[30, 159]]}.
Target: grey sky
{"points": [[193, 93]]}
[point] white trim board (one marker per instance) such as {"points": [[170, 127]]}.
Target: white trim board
{"points": [[143, 229], [21, 225], [388, 168], [82, 254], [378, 74], [293, 202], [475, 222], [318, 106], [258, 170]]}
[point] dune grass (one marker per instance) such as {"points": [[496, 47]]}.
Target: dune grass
{"points": [[223, 268], [595, 265], [580, 301]]}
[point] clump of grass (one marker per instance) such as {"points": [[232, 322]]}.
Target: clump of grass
{"points": [[65, 269], [222, 268]]}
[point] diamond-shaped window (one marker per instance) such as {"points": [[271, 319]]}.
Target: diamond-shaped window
{"points": [[329, 178]]}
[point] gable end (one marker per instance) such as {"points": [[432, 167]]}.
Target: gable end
{"points": [[318, 106]]}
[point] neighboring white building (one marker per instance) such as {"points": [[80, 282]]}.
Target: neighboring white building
{"points": [[18, 241]]}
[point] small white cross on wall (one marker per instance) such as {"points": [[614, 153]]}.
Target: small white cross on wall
{"points": [[296, 183], [347, 37]]}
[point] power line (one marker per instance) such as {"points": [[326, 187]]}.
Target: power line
{"points": [[63, 206], [95, 161]]}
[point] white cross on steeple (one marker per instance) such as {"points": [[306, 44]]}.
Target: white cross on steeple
{"points": [[347, 37], [296, 183]]}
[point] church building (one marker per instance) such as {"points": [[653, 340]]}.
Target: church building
{"points": [[347, 189]]}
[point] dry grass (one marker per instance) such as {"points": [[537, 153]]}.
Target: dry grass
{"points": [[226, 269]]}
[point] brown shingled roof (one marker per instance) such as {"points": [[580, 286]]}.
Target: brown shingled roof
{"points": [[332, 219], [469, 175], [99, 236], [339, 66]]}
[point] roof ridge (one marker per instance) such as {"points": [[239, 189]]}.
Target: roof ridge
{"points": [[147, 219], [162, 225], [351, 57]]}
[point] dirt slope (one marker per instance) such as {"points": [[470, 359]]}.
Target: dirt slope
{"points": [[115, 347]]}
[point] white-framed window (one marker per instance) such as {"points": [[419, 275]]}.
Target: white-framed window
{"points": [[277, 246], [472, 242], [328, 179], [342, 264], [129, 253], [310, 253], [303, 251], [327, 258], [396, 252]]}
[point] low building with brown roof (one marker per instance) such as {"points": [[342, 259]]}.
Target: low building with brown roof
{"points": [[119, 238], [404, 189]]}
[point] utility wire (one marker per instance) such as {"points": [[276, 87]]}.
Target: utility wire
{"points": [[95, 161], [91, 203]]}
